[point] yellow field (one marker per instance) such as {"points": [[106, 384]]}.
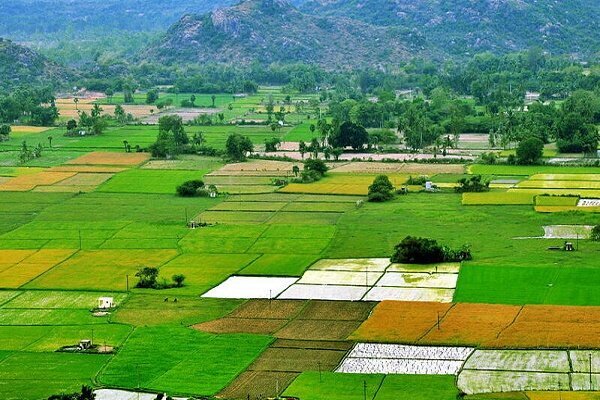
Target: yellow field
{"points": [[565, 177], [32, 266], [17, 171], [571, 192], [8, 258], [101, 269], [28, 182], [403, 168], [342, 184], [589, 184], [497, 198], [110, 158], [20, 130], [68, 109], [87, 168], [551, 209]]}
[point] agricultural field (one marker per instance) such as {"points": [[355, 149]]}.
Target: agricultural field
{"points": [[289, 289]]}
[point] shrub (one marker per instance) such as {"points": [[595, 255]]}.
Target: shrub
{"points": [[474, 184], [530, 151], [417, 250], [381, 189], [178, 280], [190, 188], [417, 180], [147, 277], [595, 235], [314, 164]]}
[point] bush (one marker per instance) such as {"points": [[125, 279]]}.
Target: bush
{"points": [[381, 189], [417, 250], [147, 277], [417, 180], [530, 151], [474, 184], [178, 280], [314, 164], [595, 235], [190, 188]]}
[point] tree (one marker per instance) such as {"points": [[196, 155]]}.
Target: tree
{"points": [[337, 152], [473, 184], [530, 151], [71, 125], [272, 144], [50, 141], [316, 165], [178, 279], [302, 148], [296, 170], [120, 114], [213, 98], [76, 101], [193, 100], [417, 250], [237, 147], [5, 132], [350, 134], [151, 96], [381, 189], [190, 188], [147, 277]]}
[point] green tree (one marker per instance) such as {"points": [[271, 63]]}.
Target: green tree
{"points": [[147, 277], [350, 134], [238, 146], [381, 189], [178, 279], [5, 132], [530, 151], [151, 96]]}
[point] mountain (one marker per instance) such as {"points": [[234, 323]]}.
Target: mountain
{"points": [[463, 27], [22, 19], [275, 31], [20, 65]]}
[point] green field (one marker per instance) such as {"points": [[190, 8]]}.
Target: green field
{"points": [[59, 252]]}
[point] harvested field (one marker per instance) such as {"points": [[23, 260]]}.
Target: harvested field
{"points": [[86, 179], [256, 167], [369, 358], [87, 168], [472, 382], [258, 384], [410, 294], [357, 264], [403, 168], [28, 182], [242, 325], [299, 356], [249, 287], [110, 158], [277, 309], [486, 325], [324, 292], [336, 310], [315, 329], [403, 322]]}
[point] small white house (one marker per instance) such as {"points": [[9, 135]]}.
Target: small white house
{"points": [[106, 302]]}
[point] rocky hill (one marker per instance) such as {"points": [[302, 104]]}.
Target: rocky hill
{"points": [[275, 31], [20, 65], [463, 27]]}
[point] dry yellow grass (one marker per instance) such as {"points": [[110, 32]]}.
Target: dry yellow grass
{"points": [[86, 179], [24, 129], [563, 395], [68, 109], [28, 182], [257, 167], [110, 158], [348, 184], [64, 189], [32, 267], [87, 168], [403, 168]]}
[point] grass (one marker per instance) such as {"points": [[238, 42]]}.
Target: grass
{"points": [[164, 358], [33, 375], [150, 181], [279, 265]]}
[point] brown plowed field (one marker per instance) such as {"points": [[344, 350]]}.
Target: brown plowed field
{"points": [[258, 385]]}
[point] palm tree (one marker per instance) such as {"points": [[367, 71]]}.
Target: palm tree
{"points": [[213, 98], [76, 100], [126, 144], [50, 141]]}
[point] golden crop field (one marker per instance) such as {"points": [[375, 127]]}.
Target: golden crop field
{"points": [[110, 158]]}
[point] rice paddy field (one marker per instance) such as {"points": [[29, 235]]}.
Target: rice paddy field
{"points": [[290, 290]]}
